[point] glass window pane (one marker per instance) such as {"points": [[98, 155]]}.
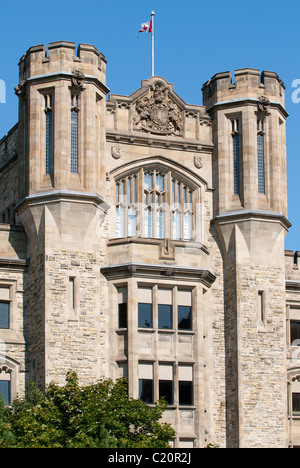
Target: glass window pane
{"points": [[159, 182], [132, 222], [236, 164], [148, 181], [184, 317], [260, 163], [188, 223], [145, 315], [122, 315], [186, 393], [296, 403], [176, 221], [4, 314], [48, 155], [120, 221], [146, 390], [5, 390], [148, 223], [128, 191], [160, 224], [295, 333], [164, 316], [166, 391], [74, 142], [134, 189]]}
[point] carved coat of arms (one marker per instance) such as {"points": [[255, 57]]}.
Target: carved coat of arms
{"points": [[157, 113]]}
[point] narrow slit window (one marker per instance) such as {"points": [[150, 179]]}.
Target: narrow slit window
{"points": [[261, 306], [236, 157], [260, 157], [122, 307], [74, 134], [48, 133], [72, 291]]}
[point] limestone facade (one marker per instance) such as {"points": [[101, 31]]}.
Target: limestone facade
{"points": [[144, 237]]}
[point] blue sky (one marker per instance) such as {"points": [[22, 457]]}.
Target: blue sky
{"points": [[194, 40]]}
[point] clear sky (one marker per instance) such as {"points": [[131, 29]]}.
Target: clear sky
{"points": [[194, 39]]}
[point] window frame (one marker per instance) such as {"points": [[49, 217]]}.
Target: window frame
{"points": [[160, 205]]}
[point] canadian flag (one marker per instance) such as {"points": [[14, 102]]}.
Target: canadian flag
{"points": [[146, 27]]}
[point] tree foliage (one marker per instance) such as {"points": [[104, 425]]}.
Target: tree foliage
{"points": [[95, 416]]}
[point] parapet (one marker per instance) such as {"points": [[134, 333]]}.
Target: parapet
{"points": [[62, 57], [248, 83]]}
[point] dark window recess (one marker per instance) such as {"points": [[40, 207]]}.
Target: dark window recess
{"points": [[186, 396], [123, 315], [296, 403], [164, 316], [295, 333], [145, 315], [146, 390], [4, 315], [184, 317], [5, 391], [166, 391]]}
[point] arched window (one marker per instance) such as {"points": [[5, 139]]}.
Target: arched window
{"points": [[154, 204]]}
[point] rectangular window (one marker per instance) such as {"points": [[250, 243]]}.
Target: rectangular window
{"points": [[120, 221], [145, 315], [236, 157], [5, 391], [296, 404], [72, 291], [5, 307], [236, 164], [48, 134], [185, 383], [166, 386], [184, 300], [261, 305], [122, 307], [146, 390], [260, 163], [176, 224], [74, 139], [295, 333], [4, 315], [165, 309], [132, 212]]}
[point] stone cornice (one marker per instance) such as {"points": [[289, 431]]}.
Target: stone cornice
{"points": [[63, 195], [154, 271], [166, 142], [246, 215], [245, 101], [62, 75]]}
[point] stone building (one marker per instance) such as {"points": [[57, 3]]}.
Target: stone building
{"points": [[143, 236]]}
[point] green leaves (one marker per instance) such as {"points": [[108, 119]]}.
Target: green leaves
{"points": [[95, 416]]}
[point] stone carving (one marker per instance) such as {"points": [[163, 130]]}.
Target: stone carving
{"points": [[157, 113], [116, 152], [19, 89], [77, 82], [198, 162], [264, 104]]}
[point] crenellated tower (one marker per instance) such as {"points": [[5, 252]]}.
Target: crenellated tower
{"points": [[250, 209], [61, 137]]}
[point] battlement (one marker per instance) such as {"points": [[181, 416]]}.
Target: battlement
{"points": [[248, 83], [61, 56]]}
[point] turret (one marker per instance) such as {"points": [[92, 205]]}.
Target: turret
{"points": [[62, 103], [249, 224], [249, 133]]}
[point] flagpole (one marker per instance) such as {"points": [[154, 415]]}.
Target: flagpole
{"points": [[152, 15]]}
